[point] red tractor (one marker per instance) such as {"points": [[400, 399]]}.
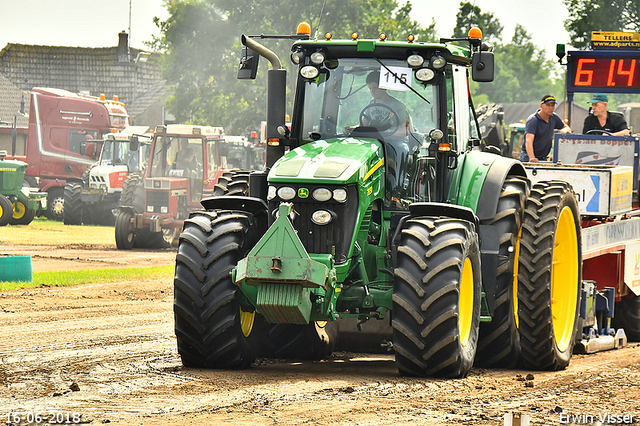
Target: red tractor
{"points": [[186, 164]]}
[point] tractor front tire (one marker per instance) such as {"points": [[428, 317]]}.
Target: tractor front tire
{"points": [[6, 210], [72, 214], [212, 328], [549, 276], [125, 233], [499, 343], [22, 214], [436, 297]]}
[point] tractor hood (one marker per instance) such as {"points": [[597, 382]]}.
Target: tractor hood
{"points": [[332, 161]]}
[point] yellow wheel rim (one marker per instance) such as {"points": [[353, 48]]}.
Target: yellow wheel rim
{"points": [[19, 209], [516, 261], [564, 279], [465, 303], [246, 322]]}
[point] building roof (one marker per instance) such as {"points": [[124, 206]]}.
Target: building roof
{"points": [[10, 99], [93, 71]]}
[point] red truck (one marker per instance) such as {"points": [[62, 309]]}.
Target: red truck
{"points": [[63, 139]]}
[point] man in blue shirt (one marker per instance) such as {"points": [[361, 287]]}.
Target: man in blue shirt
{"points": [[538, 131]]}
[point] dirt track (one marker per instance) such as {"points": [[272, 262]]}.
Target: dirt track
{"points": [[108, 352]]}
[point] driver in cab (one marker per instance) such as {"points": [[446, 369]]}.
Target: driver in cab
{"points": [[380, 96]]}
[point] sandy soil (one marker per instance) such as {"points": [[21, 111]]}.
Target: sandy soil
{"points": [[107, 352]]}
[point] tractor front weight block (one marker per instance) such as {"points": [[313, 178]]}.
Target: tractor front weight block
{"points": [[278, 276]]}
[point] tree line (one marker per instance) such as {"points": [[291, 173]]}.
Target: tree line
{"points": [[201, 44]]}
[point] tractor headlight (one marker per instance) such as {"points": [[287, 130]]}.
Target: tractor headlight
{"points": [[425, 74], [149, 209], [286, 193], [271, 194], [164, 209], [438, 62], [309, 72], [321, 194], [321, 217], [340, 195], [317, 58], [415, 60]]}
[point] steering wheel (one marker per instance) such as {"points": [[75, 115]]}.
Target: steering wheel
{"points": [[380, 116], [601, 132]]}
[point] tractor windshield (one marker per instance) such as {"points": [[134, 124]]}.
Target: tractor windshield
{"points": [[381, 99], [365, 92]]}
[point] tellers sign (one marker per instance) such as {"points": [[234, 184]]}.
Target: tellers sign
{"points": [[603, 70]]}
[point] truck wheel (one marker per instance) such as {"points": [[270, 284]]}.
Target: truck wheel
{"points": [[72, 212], [436, 297], [549, 276], [6, 210], [125, 235], [313, 341], [499, 342], [55, 203], [212, 328], [627, 316], [22, 214]]}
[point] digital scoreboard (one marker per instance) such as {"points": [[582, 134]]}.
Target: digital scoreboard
{"points": [[610, 71]]}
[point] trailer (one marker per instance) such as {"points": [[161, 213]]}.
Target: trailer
{"points": [[603, 170]]}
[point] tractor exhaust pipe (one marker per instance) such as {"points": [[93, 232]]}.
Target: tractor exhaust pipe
{"points": [[276, 101]]}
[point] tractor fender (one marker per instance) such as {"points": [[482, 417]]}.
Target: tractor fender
{"points": [[427, 209], [444, 209], [492, 187], [253, 205]]}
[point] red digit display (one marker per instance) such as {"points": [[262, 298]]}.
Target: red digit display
{"points": [[606, 72]]}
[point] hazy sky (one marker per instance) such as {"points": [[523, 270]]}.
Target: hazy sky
{"points": [[96, 23]]}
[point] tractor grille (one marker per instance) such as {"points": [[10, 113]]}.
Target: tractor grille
{"points": [[323, 238], [157, 199]]}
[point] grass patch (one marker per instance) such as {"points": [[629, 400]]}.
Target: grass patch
{"points": [[43, 231], [85, 276]]}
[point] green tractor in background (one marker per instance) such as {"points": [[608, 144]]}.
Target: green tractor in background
{"points": [[18, 204], [371, 212]]}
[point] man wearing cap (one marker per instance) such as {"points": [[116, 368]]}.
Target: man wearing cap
{"points": [[538, 131], [603, 120]]}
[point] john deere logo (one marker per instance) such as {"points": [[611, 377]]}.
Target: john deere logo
{"points": [[303, 192]]}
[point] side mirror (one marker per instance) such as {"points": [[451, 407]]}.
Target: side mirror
{"points": [[89, 149], [134, 143], [482, 66], [248, 68]]}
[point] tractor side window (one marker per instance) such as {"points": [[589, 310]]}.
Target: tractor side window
{"points": [[474, 133], [314, 94], [451, 112]]}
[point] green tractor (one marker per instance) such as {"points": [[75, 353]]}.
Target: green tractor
{"points": [[381, 210], [18, 203]]}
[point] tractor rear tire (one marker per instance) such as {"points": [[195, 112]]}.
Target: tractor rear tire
{"points": [[6, 210], [125, 233], [499, 343], [22, 214], [314, 341], [212, 328], [72, 214], [436, 297], [627, 316], [549, 276], [133, 192], [239, 184]]}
